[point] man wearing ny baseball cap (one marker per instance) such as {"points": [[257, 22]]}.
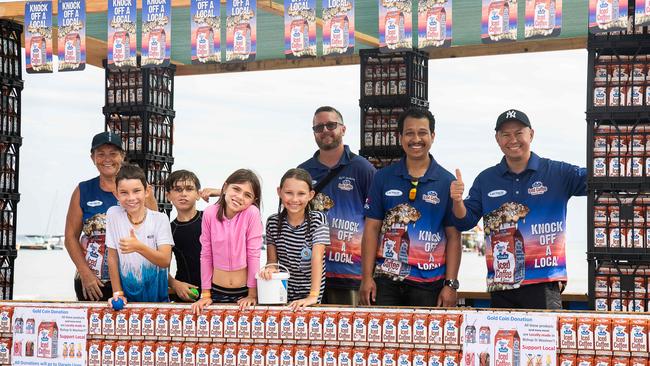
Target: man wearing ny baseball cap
{"points": [[522, 201]]}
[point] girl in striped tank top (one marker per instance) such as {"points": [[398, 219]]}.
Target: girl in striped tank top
{"points": [[296, 238]]}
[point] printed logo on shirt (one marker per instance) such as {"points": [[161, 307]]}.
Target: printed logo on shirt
{"points": [[366, 205], [431, 197], [537, 189], [393, 193], [496, 193], [346, 185], [95, 203]]}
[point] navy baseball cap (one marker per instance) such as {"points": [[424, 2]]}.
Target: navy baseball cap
{"points": [[512, 115], [106, 138]]}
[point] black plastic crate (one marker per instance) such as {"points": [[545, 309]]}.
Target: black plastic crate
{"points": [[619, 224], [8, 215], [157, 173], [140, 87], [619, 285], [10, 53], [7, 275], [10, 108], [145, 135], [618, 153], [397, 78], [9, 158]]}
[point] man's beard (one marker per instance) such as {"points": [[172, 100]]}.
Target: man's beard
{"points": [[336, 142]]}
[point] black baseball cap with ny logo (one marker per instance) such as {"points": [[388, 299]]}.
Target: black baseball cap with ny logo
{"points": [[512, 115]]}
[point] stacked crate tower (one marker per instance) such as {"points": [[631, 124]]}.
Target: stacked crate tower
{"points": [[139, 107], [11, 85], [618, 119], [390, 84]]}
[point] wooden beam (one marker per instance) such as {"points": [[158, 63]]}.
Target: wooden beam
{"points": [[540, 45]]}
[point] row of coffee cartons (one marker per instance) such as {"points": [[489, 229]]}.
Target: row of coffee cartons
{"points": [[621, 237], [618, 166], [611, 283], [609, 333], [147, 353], [627, 301], [621, 74], [607, 209], [418, 327], [569, 359], [621, 96], [622, 140]]}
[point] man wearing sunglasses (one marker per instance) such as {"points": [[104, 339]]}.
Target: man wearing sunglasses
{"points": [[341, 180], [411, 250], [523, 202]]}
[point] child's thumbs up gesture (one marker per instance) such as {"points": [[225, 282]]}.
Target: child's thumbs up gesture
{"points": [[130, 244]]}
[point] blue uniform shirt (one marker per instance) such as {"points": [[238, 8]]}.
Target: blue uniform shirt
{"points": [[412, 240], [524, 216], [342, 201]]}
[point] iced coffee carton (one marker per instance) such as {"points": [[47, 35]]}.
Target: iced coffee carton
{"points": [[257, 354], [389, 357], [188, 354], [315, 328], [243, 355], [286, 325], [345, 355], [108, 353], [585, 360], [203, 354], [451, 329], [301, 355], [405, 328], [602, 360], [345, 322], [359, 327], [330, 356], [95, 315], [300, 325], [404, 357], [566, 359], [359, 357], [420, 334], [374, 357], [507, 348], [135, 353], [216, 323], [230, 354], [94, 352], [603, 334], [148, 322], [135, 322], [638, 361], [389, 327], [272, 325], [620, 335], [568, 336], [175, 322], [215, 354], [620, 361], [257, 324], [203, 325], [315, 356], [436, 324], [230, 324], [286, 355], [121, 353], [272, 355], [149, 353], [452, 358], [435, 357], [189, 323], [175, 354], [585, 333], [419, 357], [161, 323], [244, 325], [375, 322], [108, 323], [121, 323], [330, 326], [638, 335], [48, 339], [508, 256]]}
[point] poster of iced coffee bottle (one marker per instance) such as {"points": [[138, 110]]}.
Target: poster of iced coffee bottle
{"points": [[241, 30], [72, 35], [395, 24], [38, 37], [434, 23], [205, 25], [512, 339], [607, 15], [338, 27], [121, 39], [642, 13], [499, 21], [543, 18], [299, 28], [156, 33]]}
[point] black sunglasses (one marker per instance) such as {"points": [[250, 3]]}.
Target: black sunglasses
{"points": [[331, 126]]}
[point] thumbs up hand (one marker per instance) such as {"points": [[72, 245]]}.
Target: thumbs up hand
{"points": [[457, 188], [130, 244]]}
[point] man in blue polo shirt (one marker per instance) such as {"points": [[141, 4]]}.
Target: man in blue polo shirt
{"points": [[411, 250], [341, 179], [523, 202]]}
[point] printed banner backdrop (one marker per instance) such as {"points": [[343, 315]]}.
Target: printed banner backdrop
{"points": [[38, 37], [49, 336], [121, 44], [205, 24], [338, 28], [241, 30], [642, 13], [605, 16], [299, 28], [500, 338], [156, 32], [543, 18], [499, 21], [395, 24], [72, 35], [434, 23]]}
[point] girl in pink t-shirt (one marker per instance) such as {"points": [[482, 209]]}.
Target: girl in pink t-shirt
{"points": [[231, 240]]}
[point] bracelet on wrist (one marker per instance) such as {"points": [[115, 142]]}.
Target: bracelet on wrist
{"points": [[314, 293], [118, 293], [206, 296]]}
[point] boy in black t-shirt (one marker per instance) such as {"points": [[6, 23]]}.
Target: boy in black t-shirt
{"points": [[183, 191]]}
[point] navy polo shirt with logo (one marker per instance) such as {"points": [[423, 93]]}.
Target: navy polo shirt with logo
{"points": [[342, 201], [412, 239], [524, 216]]}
